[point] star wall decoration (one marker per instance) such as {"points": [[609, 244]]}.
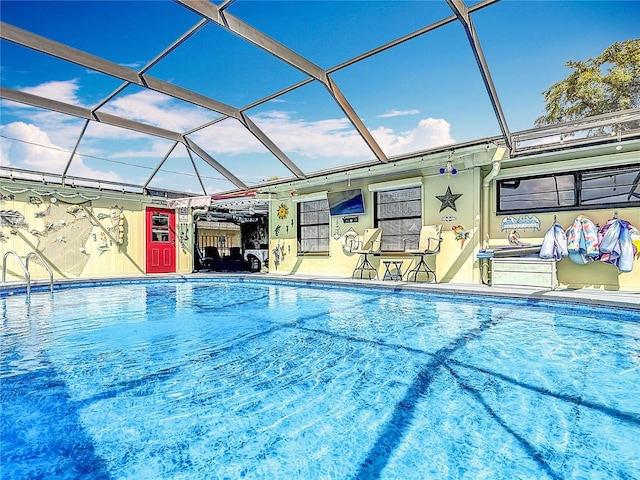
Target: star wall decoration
{"points": [[448, 199]]}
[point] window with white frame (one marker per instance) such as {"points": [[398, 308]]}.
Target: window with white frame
{"points": [[313, 226], [399, 214]]}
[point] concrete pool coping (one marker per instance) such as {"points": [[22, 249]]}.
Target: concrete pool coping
{"points": [[588, 296]]}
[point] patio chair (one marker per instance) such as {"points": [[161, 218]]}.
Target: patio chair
{"points": [[369, 245], [212, 258], [429, 244]]}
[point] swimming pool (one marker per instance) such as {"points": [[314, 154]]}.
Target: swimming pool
{"points": [[255, 379]]}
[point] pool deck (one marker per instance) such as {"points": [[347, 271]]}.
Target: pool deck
{"points": [[590, 296], [618, 298]]}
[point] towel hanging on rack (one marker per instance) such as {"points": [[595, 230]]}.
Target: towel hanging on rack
{"points": [[554, 244], [582, 240], [616, 246]]}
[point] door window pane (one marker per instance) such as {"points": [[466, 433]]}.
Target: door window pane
{"points": [[159, 235], [160, 220]]}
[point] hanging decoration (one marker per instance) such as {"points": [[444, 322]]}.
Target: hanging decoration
{"points": [[12, 218], [278, 255], [117, 224], [74, 210], [283, 211], [520, 223], [45, 193], [514, 239], [349, 240], [448, 199], [460, 234]]}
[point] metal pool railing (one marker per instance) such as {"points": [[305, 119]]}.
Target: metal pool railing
{"points": [[25, 268]]}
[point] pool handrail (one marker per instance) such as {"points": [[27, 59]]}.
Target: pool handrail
{"points": [[44, 264], [27, 277]]}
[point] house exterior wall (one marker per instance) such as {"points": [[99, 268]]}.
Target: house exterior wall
{"points": [[82, 233], [89, 241], [457, 262]]}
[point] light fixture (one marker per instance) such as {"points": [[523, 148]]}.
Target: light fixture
{"points": [[448, 168], [619, 146]]}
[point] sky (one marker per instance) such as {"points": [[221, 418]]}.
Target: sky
{"points": [[418, 95]]}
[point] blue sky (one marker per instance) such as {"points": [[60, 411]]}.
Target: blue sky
{"points": [[420, 94]]}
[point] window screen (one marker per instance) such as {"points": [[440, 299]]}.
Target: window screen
{"points": [[313, 226], [399, 215]]}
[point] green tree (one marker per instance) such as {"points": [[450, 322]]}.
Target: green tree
{"points": [[607, 83]]}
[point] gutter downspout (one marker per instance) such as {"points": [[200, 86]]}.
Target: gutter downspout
{"points": [[197, 213], [486, 183]]}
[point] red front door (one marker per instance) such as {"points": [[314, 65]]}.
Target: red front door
{"points": [[161, 240]]}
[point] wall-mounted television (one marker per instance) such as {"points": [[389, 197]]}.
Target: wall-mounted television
{"points": [[347, 202]]}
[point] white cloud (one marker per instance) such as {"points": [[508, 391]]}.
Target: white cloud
{"points": [[157, 109], [32, 149], [324, 138], [399, 113], [332, 139], [430, 133], [63, 91]]}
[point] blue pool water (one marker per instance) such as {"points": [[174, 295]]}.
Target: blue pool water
{"points": [[249, 379]]}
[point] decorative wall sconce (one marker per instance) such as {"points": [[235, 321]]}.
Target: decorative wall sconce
{"points": [[448, 168]]}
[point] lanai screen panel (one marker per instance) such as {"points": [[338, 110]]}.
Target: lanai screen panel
{"points": [[534, 41], [229, 69], [366, 80], [311, 129], [329, 34], [401, 100], [234, 147]]}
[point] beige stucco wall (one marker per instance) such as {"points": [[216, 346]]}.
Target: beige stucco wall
{"points": [[85, 233], [105, 255], [592, 275], [456, 263]]}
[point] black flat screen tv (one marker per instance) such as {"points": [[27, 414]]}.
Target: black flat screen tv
{"points": [[347, 202]]}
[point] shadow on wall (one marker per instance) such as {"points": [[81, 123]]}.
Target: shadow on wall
{"points": [[463, 256], [595, 274]]}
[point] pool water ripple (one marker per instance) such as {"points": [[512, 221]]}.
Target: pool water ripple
{"points": [[228, 379]]}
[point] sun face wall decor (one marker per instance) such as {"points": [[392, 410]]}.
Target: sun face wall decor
{"points": [[283, 211]]}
